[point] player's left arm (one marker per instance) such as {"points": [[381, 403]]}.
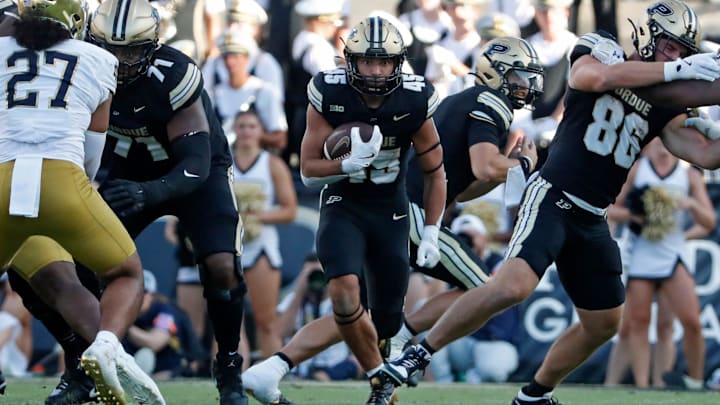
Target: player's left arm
{"points": [[685, 93], [430, 159], [690, 144]]}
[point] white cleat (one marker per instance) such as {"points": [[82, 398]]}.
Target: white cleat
{"points": [[98, 361], [138, 385], [262, 383]]}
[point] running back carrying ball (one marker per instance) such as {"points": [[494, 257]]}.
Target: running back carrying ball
{"points": [[338, 143]]}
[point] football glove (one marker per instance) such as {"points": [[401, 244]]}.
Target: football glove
{"points": [[707, 127], [362, 154], [702, 66], [428, 253], [126, 197]]}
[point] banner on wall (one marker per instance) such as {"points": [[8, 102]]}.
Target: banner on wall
{"points": [[548, 312]]}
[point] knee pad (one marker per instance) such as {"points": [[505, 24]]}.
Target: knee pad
{"points": [[387, 325]]}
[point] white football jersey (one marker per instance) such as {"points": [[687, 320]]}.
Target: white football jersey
{"points": [[47, 97]]}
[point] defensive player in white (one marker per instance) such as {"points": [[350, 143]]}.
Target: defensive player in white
{"points": [[54, 111]]}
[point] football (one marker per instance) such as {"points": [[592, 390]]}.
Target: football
{"points": [[337, 145]]}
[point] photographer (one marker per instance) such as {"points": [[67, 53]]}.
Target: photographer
{"points": [[490, 353], [309, 301]]}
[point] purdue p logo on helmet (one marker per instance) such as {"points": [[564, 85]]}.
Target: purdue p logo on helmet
{"points": [[71, 14], [673, 19], [510, 65], [375, 37], [129, 29]]}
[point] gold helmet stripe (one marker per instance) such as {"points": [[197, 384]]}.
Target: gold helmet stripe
{"points": [[120, 22], [692, 20], [375, 32]]}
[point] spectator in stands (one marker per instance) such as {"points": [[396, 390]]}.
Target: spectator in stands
{"points": [[248, 17], [244, 90], [428, 24], [553, 44], [522, 11], [308, 301], [659, 261], [311, 53], [15, 332], [489, 354], [605, 16], [153, 339], [266, 196], [452, 56]]}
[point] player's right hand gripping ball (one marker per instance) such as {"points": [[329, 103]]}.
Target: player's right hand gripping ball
{"points": [[338, 144]]}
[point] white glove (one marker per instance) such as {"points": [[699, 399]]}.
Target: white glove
{"points": [[703, 66], [708, 127], [608, 52], [362, 154], [428, 253]]}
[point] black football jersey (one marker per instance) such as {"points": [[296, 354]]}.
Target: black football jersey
{"points": [[402, 114], [477, 114], [600, 137], [141, 110]]}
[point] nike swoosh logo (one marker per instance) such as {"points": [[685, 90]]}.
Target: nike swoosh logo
{"points": [[368, 157], [138, 109], [397, 217], [399, 117], [188, 174]]}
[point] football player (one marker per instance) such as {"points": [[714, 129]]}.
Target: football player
{"points": [[364, 220], [56, 104], [563, 214], [170, 156], [473, 129]]}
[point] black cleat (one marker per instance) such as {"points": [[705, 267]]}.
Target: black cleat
{"points": [[3, 384], [382, 385], [75, 387], [413, 360], [544, 401], [227, 371]]}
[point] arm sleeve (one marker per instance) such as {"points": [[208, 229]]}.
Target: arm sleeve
{"points": [[94, 144], [191, 154]]}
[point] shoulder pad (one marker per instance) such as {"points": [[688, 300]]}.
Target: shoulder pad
{"points": [[493, 109], [178, 75], [586, 42]]}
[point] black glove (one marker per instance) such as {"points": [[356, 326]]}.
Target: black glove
{"points": [[124, 197]]}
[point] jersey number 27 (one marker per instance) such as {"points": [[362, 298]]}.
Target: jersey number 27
{"points": [[32, 60]]}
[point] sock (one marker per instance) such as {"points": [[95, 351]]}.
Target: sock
{"points": [[286, 359], [424, 344], [226, 314], [278, 364], [73, 346], [534, 391], [372, 372], [107, 336], [411, 332], [405, 333]]}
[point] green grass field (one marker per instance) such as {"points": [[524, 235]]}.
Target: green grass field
{"points": [[197, 392]]}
